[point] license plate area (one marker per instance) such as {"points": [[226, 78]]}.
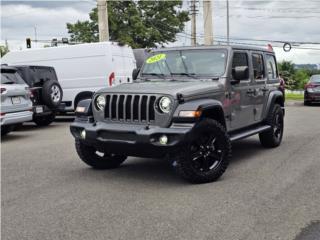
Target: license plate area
{"points": [[16, 100], [39, 109]]}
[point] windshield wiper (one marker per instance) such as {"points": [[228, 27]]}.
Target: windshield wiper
{"points": [[9, 82], [143, 75], [161, 75], [192, 75]]}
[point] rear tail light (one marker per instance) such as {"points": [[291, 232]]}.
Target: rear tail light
{"points": [[310, 85], [2, 114], [32, 92], [3, 90], [270, 48], [29, 92], [111, 79], [282, 84]]}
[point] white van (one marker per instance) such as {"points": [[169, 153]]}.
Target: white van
{"points": [[81, 69]]}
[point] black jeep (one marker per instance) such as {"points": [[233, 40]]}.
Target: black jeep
{"points": [[187, 104], [46, 92]]}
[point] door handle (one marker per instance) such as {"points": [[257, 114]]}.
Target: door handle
{"points": [[250, 91]]}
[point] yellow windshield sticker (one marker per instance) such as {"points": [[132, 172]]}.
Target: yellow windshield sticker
{"points": [[156, 58]]}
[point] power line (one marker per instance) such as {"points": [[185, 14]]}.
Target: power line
{"points": [[260, 40], [245, 42]]}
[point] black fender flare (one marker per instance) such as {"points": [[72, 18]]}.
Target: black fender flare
{"points": [[210, 108], [84, 108], [82, 95], [274, 97]]}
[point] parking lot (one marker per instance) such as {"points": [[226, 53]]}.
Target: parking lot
{"points": [[48, 193]]}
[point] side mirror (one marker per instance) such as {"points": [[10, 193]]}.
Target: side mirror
{"points": [[240, 73], [135, 73]]}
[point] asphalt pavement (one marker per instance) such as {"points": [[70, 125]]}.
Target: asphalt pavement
{"points": [[48, 193]]}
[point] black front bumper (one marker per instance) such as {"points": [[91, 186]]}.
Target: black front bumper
{"points": [[132, 140]]}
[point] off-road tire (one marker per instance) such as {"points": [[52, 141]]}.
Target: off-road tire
{"points": [[52, 93], [184, 162], [90, 157], [269, 138], [45, 120]]}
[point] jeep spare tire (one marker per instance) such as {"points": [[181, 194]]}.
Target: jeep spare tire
{"points": [[52, 93]]}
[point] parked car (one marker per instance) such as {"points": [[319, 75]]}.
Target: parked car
{"points": [[188, 104], [16, 106], [312, 90], [46, 92], [81, 69]]}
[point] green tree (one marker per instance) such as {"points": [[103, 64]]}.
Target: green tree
{"points": [[301, 77], [139, 24], [86, 31], [286, 66], [3, 50], [295, 78], [286, 70]]}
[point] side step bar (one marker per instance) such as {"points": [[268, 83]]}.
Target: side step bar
{"points": [[248, 132]]}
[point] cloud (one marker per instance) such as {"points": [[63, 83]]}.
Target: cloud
{"points": [[19, 20]]}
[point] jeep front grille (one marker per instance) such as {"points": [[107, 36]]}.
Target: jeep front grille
{"points": [[130, 108]]}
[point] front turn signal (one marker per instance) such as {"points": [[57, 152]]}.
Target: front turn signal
{"points": [[80, 109], [190, 114]]}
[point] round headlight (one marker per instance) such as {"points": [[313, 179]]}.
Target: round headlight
{"points": [[165, 104], [100, 102]]}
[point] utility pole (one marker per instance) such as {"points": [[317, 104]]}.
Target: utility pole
{"points": [[35, 35], [228, 27], [207, 20], [103, 20], [193, 12]]}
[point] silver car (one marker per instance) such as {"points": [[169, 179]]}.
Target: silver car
{"points": [[16, 106]]}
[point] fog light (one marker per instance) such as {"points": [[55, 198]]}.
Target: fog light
{"points": [[163, 140], [83, 134]]}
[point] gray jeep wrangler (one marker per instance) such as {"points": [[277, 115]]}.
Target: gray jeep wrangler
{"points": [[187, 104]]}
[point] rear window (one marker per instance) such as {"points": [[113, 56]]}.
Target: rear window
{"points": [[271, 67], [315, 78], [258, 66], [10, 77]]}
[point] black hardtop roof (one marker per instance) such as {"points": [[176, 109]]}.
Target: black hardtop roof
{"points": [[7, 68], [229, 47]]}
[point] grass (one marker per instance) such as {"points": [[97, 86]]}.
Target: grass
{"points": [[294, 96]]}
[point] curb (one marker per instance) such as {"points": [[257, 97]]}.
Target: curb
{"points": [[290, 103]]}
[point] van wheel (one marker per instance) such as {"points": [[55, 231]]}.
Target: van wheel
{"points": [[206, 157], [52, 93], [96, 159], [6, 129], [273, 137], [44, 120]]}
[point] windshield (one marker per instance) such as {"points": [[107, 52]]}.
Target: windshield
{"points": [[315, 78], [11, 78], [205, 63]]}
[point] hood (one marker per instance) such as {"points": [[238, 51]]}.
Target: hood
{"points": [[186, 88]]}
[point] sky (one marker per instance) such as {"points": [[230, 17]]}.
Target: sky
{"points": [[283, 20]]}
